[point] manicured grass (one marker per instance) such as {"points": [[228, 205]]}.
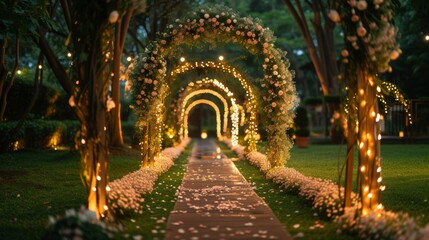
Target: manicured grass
{"points": [[405, 172], [35, 184], [296, 215], [158, 205]]}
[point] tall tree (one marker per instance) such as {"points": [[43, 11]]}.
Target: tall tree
{"points": [[91, 39], [18, 23], [321, 45], [121, 29]]}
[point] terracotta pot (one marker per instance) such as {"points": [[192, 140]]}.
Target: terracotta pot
{"points": [[301, 142]]}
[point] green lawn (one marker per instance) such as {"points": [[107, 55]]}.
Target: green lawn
{"points": [[35, 184]]}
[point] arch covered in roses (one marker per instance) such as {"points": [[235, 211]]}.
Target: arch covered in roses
{"points": [[219, 24]]}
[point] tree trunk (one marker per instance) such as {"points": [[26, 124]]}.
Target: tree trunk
{"points": [[38, 79], [368, 141], [8, 85], [322, 57]]}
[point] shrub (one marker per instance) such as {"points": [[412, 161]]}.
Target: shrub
{"points": [[78, 225], [301, 123]]}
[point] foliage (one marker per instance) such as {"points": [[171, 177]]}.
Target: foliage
{"points": [[39, 134], [51, 103], [411, 70], [301, 123]]}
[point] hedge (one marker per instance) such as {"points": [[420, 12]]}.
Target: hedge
{"points": [[38, 134]]}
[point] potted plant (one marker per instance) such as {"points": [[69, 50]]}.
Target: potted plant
{"points": [[301, 125]]}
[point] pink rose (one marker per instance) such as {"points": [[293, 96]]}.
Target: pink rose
{"points": [[361, 31], [362, 5], [334, 16]]}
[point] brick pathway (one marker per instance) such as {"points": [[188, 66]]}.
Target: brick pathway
{"points": [[216, 202]]}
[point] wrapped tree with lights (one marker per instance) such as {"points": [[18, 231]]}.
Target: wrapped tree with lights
{"points": [[370, 44]]}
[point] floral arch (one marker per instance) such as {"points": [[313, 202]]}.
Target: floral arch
{"points": [[251, 134], [201, 92], [216, 24], [189, 92], [198, 102]]}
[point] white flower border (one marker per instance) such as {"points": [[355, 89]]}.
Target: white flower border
{"points": [[125, 193], [324, 196]]}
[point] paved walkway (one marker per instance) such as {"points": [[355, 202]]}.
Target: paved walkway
{"points": [[216, 202]]}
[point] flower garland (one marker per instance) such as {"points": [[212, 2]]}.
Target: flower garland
{"points": [[221, 24], [369, 32], [370, 37], [125, 194]]}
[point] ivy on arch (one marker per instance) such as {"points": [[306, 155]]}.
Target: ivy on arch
{"points": [[219, 24]]}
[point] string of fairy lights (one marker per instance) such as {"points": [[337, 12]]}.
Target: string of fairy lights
{"points": [[251, 133], [234, 106], [207, 102], [201, 92]]}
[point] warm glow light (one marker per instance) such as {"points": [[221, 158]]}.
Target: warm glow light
{"points": [[401, 134], [221, 58], [235, 109], [380, 206], [379, 169], [83, 141], [203, 135], [427, 37], [108, 188], [382, 188], [214, 93], [361, 146], [98, 178], [182, 59], [368, 152], [195, 103], [19, 72], [369, 195], [379, 179], [40, 66], [94, 189], [362, 169], [252, 129], [379, 137], [129, 59], [69, 54], [366, 189]]}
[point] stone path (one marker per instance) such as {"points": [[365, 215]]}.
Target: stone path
{"points": [[216, 202]]}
